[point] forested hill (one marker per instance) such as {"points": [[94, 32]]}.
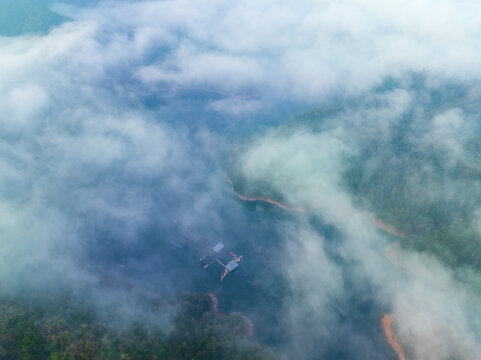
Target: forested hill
{"points": [[61, 328], [19, 17], [413, 159]]}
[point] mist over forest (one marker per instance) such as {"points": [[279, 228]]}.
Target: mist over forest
{"points": [[335, 146]]}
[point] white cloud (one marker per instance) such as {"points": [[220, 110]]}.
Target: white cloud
{"points": [[76, 144], [27, 102], [432, 308], [307, 49]]}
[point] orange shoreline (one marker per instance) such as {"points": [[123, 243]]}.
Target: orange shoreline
{"points": [[387, 319], [376, 222], [390, 254], [258, 198], [387, 228], [386, 322]]}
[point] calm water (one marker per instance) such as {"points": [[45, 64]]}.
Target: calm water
{"points": [[258, 288]]}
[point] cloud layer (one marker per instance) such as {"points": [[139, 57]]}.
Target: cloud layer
{"points": [[306, 162], [127, 112]]}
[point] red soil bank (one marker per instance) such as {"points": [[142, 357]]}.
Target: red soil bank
{"points": [[387, 228], [386, 322], [386, 319], [259, 198]]}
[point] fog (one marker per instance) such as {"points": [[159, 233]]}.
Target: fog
{"points": [[434, 309], [124, 118]]}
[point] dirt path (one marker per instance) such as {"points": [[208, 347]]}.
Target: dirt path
{"points": [[387, 321]]}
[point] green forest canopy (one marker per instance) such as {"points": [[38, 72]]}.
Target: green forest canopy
{"points": [[61, 328], [423, 189]]}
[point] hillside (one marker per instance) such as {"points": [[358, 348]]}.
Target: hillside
{"points": [[417, 168]]}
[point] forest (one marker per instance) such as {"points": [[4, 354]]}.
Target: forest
{"points": [[65, 328], [421, 175]]}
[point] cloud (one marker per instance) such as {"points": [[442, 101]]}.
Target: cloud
{"points": [[80, 158], [447, 131], [306, 164], [304, 51], [84, 156], [309, 313], [27, 102]]}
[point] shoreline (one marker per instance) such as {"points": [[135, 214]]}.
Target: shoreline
{"points": [[214, 309], [376, 222], [250, 326], [259, 198], [386, 322], [214, 306], [387, 319], [387, 228], [390, 254]]}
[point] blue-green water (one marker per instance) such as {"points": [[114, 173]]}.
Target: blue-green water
{"points": [[259, 287]]}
